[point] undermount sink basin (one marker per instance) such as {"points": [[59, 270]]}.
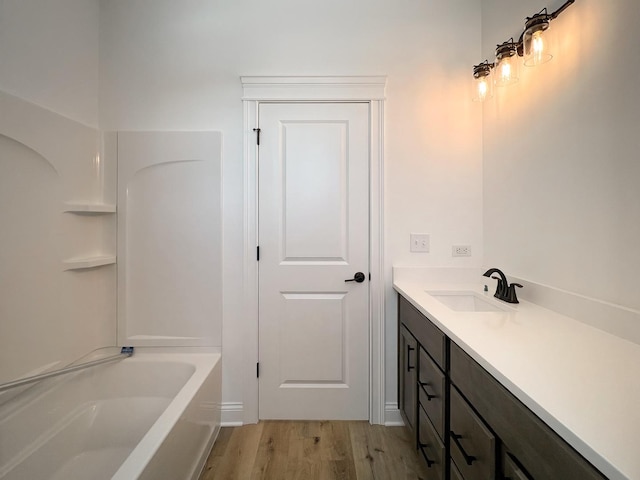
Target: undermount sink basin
{"points": [[467, 301]]}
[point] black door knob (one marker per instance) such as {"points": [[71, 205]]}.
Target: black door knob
{"points": [[358, 278]]}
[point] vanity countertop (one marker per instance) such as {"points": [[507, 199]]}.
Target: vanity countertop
{"points": [[583, 382]]}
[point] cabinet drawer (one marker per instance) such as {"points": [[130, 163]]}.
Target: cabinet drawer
{"points": [[542, 452], [432, 391], [427, 334], [513, 471], [473, 446], [431, 447]]}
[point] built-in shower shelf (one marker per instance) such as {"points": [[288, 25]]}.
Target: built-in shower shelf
{"points": [[82, 263], [85, 208]]}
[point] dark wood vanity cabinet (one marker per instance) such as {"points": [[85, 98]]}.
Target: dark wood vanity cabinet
{"points": [[512, 469], [473, 444], [432, 392], [527, 442], [408, 374], [466, 425], [430, 388]]}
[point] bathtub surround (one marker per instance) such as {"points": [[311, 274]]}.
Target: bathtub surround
{"points": [[52, 309], [169, 238]]}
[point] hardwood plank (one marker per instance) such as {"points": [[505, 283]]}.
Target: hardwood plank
{"points": [[273, 451], [337, 451], [313, 450], [404, 461], [385, 452], [367, 451], [216, 457], [304, 451], [235, 459], [301, 466]]}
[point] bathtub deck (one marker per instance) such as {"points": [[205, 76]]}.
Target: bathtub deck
{"points": [[313, 451]]}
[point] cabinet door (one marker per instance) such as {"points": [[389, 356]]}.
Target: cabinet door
{"points": [[407, 377], [473, 446]]}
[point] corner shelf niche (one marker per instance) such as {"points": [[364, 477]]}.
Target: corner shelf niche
{"points": [[89, 208], [83, 263]]}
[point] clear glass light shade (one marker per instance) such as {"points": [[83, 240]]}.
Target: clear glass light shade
{"points": [[537, 43], [482, 85], [507, 66]]}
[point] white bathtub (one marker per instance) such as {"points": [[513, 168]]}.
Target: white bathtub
{"points": [[151, 416]]}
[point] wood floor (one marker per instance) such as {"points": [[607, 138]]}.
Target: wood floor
{"points": [[306, 450]]}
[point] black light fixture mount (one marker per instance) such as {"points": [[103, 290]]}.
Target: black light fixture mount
{"points": [[482, 69]]}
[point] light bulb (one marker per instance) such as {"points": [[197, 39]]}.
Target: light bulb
{"points": [[483, 89], [537, 41], [506, 63], [538, 47], [505, 71], [482, 82]]}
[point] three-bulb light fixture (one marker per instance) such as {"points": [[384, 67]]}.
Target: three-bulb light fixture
{"points": [[534, 45]]}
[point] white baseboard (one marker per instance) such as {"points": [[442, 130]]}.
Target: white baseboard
{"points": [[392, 417], [232, 414]]}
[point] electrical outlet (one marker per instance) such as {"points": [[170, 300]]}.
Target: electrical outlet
{"points": [[461, 251], [420, 242]]}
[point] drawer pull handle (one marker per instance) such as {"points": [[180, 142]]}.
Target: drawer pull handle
{"points": [[467, 458], [424, 454], [409, 366], [429, 396]]}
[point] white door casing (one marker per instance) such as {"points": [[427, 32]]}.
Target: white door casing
{"points": [[260, 90], [313, 235]]}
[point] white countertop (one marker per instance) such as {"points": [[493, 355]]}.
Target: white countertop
{"points": [[583, 382]]}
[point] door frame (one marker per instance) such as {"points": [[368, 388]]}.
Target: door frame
{"points": [[369, 89]]}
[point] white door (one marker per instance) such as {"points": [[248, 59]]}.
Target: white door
{"points": [[314, 235]]}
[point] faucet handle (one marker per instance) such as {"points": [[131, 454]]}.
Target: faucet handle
{"points": [[511, 296]]}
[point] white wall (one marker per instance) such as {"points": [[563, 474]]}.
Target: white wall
{"points": [[561, 169], [169, 65], [49, 55]]}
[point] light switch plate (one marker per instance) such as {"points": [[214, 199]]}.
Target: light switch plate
{"points": [[420, 242]]}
